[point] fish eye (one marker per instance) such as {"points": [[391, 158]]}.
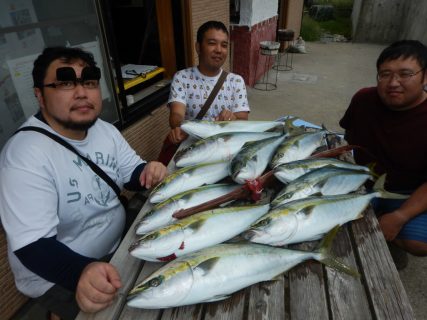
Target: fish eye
{"points": [[151, 236], [263, 223], [149, 213], [288, 195], [155, 282]]}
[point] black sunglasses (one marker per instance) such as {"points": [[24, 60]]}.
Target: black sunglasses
{"points": [[67, 79]]}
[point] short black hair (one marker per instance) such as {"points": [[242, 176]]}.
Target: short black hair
{"points": [[404, 49], [217, 25], [51, 54]]}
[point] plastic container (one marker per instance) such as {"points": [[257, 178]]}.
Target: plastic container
{"points": [[269, 48]]}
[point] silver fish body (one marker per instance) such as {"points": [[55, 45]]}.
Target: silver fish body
{"points": [[307, 219], [289, 171], [189, 178], [322, 181], [298, 147], [203, 128], [196, 232], [219, 147], [161, 214], [251, 161], [213, 274]]}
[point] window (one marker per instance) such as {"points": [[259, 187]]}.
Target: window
{"points": [[27, 27], [145, 45], [143, 37]]}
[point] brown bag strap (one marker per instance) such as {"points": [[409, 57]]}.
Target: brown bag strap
{"points": [[212, 96]]}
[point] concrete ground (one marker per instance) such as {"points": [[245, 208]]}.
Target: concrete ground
{"points": [[318, 89]]}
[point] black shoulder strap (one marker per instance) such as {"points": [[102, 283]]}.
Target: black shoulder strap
{"points": [[212, 96], [89, 162]]}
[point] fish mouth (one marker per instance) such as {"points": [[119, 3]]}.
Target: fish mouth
{"points": [[179, 155], [249, 235], [133, 246]]}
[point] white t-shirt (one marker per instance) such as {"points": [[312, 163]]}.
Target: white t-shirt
{"points": [[192, 88], [46, 190]]}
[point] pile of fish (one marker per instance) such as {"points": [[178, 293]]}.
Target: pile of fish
{"points": [[318, 196]]}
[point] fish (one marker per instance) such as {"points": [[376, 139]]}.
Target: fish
{"points": [[297, 147], [196, 232], [289, 171], [322, 181], [161, 214], [189, 178], [214, 273], [251, 161], [310, 218], [204, 128], [219, 147]]}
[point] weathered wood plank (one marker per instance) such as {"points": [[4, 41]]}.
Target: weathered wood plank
{"points": [[229, 309], [384, 287], [346, 293], [193, 312], [307, 294], [267, 300], [136, 313]]}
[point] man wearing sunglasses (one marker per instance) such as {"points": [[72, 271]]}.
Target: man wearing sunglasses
{"points": [[60, 217], [389, 121]]}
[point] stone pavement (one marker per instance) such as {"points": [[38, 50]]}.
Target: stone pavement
{"points": [[318, 89]]}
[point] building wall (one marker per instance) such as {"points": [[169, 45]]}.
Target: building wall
{"points": [[253, 12], [415, 21], [293, 15], [247, 60], [258, 22], [385, 21]]}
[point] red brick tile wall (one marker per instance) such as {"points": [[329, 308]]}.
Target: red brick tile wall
{"points": [[247, 60]]}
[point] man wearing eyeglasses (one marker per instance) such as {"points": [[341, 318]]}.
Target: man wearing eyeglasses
{"points": [[60, 217], [389, 121]]}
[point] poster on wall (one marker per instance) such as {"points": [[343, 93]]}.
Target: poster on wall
{"points": [[25, 41], [20, 71], [16, 93]]}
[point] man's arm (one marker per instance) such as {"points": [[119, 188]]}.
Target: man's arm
{"points": [[176, 117], [176, 114], [54, 261], [95, 283], [391, 223]]}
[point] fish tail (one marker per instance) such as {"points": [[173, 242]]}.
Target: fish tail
{"points": [[382, 193], [371, 166], [327, 258], [288, 125]]}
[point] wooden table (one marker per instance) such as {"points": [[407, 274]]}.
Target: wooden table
{"points": [[308, 291]]}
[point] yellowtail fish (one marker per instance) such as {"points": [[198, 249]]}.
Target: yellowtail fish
{"points": [[214, 273]]}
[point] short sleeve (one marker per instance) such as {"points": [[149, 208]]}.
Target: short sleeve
{"points": [[178, 91], [240, 96]]}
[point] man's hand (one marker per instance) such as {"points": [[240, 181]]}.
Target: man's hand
{"points": [[177, 135], [226, 115], [153, 173], [97, 286], [391, 224]]}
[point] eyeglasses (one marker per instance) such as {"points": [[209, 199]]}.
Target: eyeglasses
{"points": [[71, 84], [67, 78], [401, 76]]}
